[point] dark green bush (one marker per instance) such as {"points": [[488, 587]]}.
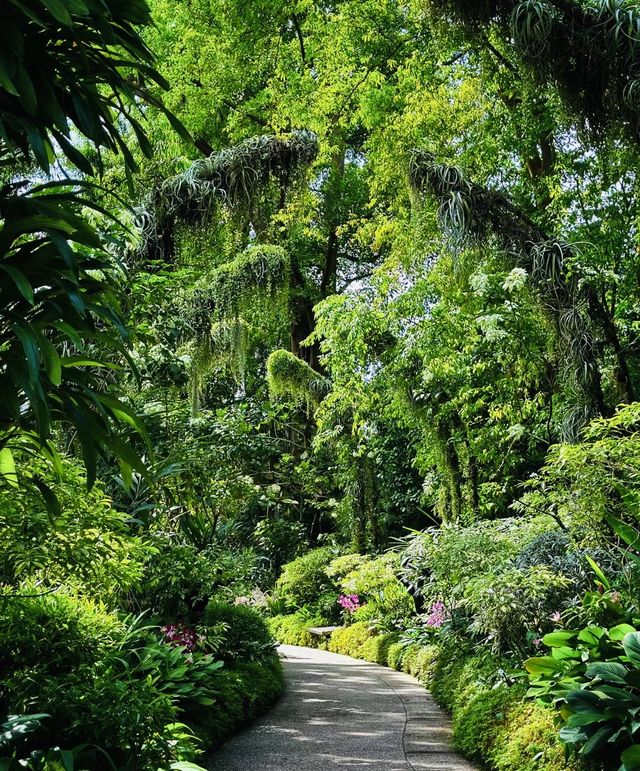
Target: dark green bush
{"points": [[246, 635], [242, 692], [180, 579], [54, 632]]}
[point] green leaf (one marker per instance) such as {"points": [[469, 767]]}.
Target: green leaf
{"points": [[8, 467], [596, 569], [591, 635], [617, 633], [558, 639], [542, 665], [625, 532], [609, 671], [631, 645], [631, 758], [599, 738], [59, 11], [21, 282]]}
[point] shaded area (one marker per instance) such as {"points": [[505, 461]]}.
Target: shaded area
{"points": [[338, 712]]}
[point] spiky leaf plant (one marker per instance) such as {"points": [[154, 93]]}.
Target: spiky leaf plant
{"points": [[589, 48], [232, 177]]}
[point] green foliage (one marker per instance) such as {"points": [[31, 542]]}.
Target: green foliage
{"points": [[528, 740], [53, 631], [591, 676], [293, 629], [350, 640], [304, 579], [63, 68], [290, 377], [86, 541], [179, 579], [242, 693], [235, 176], [245, 636]]}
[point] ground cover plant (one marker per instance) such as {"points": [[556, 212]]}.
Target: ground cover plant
{"points": [[318, 314]]}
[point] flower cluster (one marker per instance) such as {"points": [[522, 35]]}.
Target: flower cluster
{"points": [[437, 615], [181, 636], [349, 602]]}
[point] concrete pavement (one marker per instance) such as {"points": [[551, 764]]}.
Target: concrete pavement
{"points": [[338, 712]]}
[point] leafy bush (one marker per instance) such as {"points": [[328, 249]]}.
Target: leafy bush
{"points": [[243, 692], [421, 663], [53, 632], [394, 655], [509, 608], [246, 636], [376, 649], [179, 579], [87, 541], [305, 579], [440, 562], [340, 567], [527, 740], [556, 550], [349, 640], [293, 629], [593, 676], [477, 722]]}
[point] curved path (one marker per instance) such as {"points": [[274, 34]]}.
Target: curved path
{"points": [[338, 712]]}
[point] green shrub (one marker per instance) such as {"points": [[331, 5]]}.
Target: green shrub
{"points": [[54, 632], [395, 654], [376, 649], [293, 629], [593, 672], [350, 639], [409, 658], [305, 579], [371, 575], [423, 664], [528, 741], [243, 692], [246, 635], [90, 544], [347, 563], [179, 579], [477, 720], [97, 704]]}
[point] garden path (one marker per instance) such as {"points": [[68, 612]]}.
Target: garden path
{"points": [[338, 712]]}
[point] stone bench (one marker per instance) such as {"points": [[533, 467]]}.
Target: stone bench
{"points": [[322, 631]]}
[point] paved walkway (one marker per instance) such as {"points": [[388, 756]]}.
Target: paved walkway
{"points": [[338, 712]]}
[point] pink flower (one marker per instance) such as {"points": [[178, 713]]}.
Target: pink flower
{"points": [[437, 615], [556, 617], [180, 636], [537, 642], [349, 602]]}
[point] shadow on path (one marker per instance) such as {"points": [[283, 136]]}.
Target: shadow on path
{"points": [[338, 712]]}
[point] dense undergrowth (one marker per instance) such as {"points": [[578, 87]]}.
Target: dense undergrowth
{"points": [[143, 664]]}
